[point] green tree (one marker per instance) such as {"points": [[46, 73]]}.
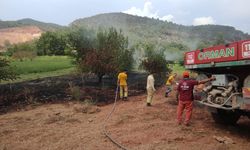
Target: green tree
{"points": [[116, 44], [110, 55], [80, 41], [51, 43], [6, 72], [154, 60]]}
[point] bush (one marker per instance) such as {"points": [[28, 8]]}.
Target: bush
{"points": [[21, 55], [6, 72]]}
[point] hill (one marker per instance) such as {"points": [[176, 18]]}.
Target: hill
{"points": [[18, 35], [24, 30], [29, 22], [143, 28]]}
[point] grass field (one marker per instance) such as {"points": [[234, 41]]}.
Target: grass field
{"points": [[48, 66], [42, 66]]}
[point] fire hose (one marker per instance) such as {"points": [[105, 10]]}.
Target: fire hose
{"points": [[107, 119]]}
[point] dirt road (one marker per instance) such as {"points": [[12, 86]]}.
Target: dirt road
{"points": [[79, 126]]}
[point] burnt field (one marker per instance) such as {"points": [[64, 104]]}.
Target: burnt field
{"points": [[66, 88]]}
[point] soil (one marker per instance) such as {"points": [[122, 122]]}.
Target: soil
{"points": [[19, 34], [75, 125]]}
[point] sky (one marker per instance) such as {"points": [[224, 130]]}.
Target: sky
{"points": [[186, 12]]}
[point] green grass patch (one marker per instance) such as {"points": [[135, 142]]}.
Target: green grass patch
{"points": [[42, 64], [41, 67]]}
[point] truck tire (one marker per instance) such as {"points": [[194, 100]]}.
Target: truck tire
{"points": [[226, 117]]}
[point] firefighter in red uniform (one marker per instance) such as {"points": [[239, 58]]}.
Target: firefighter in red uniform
{"points": [[185, 91]]}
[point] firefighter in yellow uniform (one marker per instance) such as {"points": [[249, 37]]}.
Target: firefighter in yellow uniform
{"points": [[122, 82], [169, 84]]}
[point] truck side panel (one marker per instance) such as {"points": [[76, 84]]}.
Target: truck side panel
{"points": [[236, 51], [244, 50], [220, 53]]}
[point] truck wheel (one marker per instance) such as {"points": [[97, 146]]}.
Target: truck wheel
{"points": [[226, 117]]}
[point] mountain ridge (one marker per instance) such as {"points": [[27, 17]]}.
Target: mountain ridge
{"points": [[156, 30], [142, 29]]}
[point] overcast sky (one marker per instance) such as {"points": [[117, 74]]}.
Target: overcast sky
{"points": [[234, 13]]}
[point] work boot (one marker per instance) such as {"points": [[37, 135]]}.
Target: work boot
{"points": [[186, 124], [148, 104], [166, 94]]}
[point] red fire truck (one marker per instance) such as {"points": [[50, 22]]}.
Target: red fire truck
{"points": [[228, 97]]}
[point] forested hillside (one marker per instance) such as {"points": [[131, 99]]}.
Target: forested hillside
{"points": [[157, 31]]}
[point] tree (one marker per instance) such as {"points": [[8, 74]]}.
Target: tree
{"points": [[154, 60], [99, 62], [81, 41], [110, 55], [51, 43], [6, 72], [116, 44]]}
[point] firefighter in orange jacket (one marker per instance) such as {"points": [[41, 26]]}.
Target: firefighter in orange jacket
{"points": [[122, 82], [185, 90]]}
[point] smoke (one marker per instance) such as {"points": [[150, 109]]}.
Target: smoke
{"points": [[173, 56]]}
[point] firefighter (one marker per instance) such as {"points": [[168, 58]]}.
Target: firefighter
{"points": [[185, 91], [150, 88], [169, 84], [122, 83]]}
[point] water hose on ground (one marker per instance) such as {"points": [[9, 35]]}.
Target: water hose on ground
{"points": [[107, 119]]}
